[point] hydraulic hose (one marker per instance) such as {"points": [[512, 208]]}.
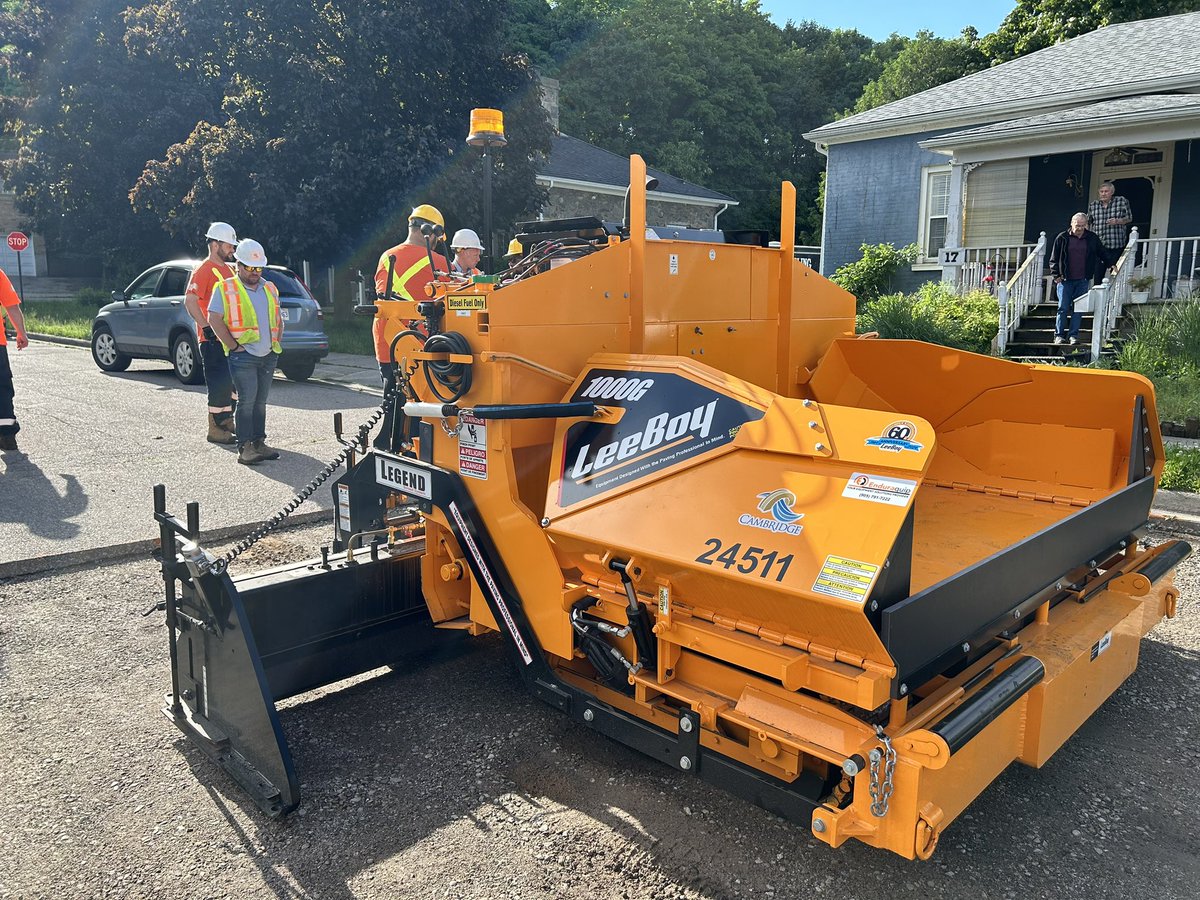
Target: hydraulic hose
{"points": [[454, 377]]}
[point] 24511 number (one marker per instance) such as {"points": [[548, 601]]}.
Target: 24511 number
{"points": [[752, 560]]}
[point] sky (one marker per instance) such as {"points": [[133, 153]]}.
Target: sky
{"points": [[879, 18]]}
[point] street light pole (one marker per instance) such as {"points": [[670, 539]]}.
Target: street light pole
{"points": [[487, 131]]}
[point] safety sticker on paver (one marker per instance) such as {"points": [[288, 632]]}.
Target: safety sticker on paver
{"points": [[343, 508], [472, 447], [846, 579], [877, 489]]}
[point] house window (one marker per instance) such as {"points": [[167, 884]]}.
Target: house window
{"points": [[935, 210]]}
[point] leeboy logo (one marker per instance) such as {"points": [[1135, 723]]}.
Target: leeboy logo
{"points": [[778, 505], [896, 437], [667, 420]]}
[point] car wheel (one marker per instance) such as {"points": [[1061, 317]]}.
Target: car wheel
{"points": [[186, 359], [299, 369], [105, 352]]}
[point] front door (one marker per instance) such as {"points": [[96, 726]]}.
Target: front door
{"points": [[1142, 175]]}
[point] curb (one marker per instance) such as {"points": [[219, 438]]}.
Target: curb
{"points": [[120, 552], [57, 339]]}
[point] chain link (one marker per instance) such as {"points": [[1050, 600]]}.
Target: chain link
{"points": [[305, 492], [881, 791]]}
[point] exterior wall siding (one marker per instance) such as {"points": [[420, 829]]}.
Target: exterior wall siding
{"points": [[1050, 204], [873, 196]]}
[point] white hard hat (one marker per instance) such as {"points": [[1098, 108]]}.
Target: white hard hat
{"points": [[250, 252], [465, 239], [221, 231]]}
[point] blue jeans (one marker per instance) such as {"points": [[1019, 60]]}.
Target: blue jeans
{"points": [[252, 379], [1070, 289]]}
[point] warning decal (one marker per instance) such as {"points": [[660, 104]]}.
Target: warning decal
{"points": [[472, 447], [847, 579], [1101, 645], [877, 489], [467, 302], [343, 508]]}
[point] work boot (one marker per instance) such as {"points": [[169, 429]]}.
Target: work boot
{"points": [[8, 443], [247, 456], [216, 433], [263, 451]]}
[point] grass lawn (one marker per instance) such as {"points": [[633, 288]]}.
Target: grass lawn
{"points": [[1181, 471], [73, 319], [64, 319], [353, 336]]}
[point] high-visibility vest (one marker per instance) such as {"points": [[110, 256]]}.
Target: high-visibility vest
{"points": [[400, 279], [239, 312]]}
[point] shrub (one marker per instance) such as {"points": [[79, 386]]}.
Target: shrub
{"points": [[1181, 470], [92, 298], [871, 276], [1165, 347], [936, 314]]}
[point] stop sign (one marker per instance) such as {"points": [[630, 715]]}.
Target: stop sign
{"points": [[17, 241]]}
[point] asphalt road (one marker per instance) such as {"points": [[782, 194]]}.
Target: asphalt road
{"points": [[445, 779], [94, 444]]}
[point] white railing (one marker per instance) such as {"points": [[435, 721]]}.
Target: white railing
{"points": [[986, 268], [1174, 263], [1021, 292], [1111, 295]]}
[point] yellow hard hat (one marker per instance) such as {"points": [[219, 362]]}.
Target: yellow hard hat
{"points": [[428, 213], [515, 248]]}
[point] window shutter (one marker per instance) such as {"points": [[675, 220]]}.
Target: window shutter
{"points": [[996, 195]]}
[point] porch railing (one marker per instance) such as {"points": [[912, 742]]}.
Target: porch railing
{"points": [[1174, 263], [1111, 295], [1021, 292], [986, 268]]}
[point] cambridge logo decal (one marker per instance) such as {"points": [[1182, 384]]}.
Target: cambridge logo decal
{"points": [[896, 437], [778, 505]]}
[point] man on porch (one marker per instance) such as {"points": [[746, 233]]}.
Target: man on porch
{"points": [[1109, 218], [1075, 259]]}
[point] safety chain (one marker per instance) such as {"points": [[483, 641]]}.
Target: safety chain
{"points": [[305, 492], [881, 793]]}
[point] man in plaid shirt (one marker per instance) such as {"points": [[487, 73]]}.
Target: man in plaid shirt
{"points": [[1110, 217]]}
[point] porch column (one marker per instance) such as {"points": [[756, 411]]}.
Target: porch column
{"points": [[954, 222]]}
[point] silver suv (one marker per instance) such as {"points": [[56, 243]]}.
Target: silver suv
{"points": [[148, 320]]}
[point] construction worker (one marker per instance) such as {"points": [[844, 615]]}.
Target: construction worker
{"points": [[222, 240], [10, 305], [410, 274], [515, 252], [244, 315], [467, 250]]}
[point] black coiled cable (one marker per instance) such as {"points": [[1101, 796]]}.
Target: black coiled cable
{"points": [[454, 377]]}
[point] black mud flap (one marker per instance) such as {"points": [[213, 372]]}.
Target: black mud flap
{"points": [[238, 647]]}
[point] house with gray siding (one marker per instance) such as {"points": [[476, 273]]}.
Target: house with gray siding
{"points": [[975, 170]]}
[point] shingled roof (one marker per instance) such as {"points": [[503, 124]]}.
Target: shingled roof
{"points": [[1151, 56], [579, 161], [1158, 109]]}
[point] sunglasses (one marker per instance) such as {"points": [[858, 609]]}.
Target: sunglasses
{"points": [[254, 269]]}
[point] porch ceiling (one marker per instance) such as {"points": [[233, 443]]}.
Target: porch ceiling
{"points": [[1127, 120]]}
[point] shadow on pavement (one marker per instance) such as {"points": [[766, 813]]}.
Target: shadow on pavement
{"points": [[309, 395], [28, 497]]}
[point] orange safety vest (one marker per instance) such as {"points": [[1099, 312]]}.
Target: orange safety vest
{"points": [[239, 312]]}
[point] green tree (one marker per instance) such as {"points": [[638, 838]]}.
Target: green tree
{"points": [[98, 112], [331, 126], [1037, 24], [924, 63]]}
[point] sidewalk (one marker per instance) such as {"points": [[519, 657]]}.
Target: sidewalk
{"points": [[359, 373]]}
